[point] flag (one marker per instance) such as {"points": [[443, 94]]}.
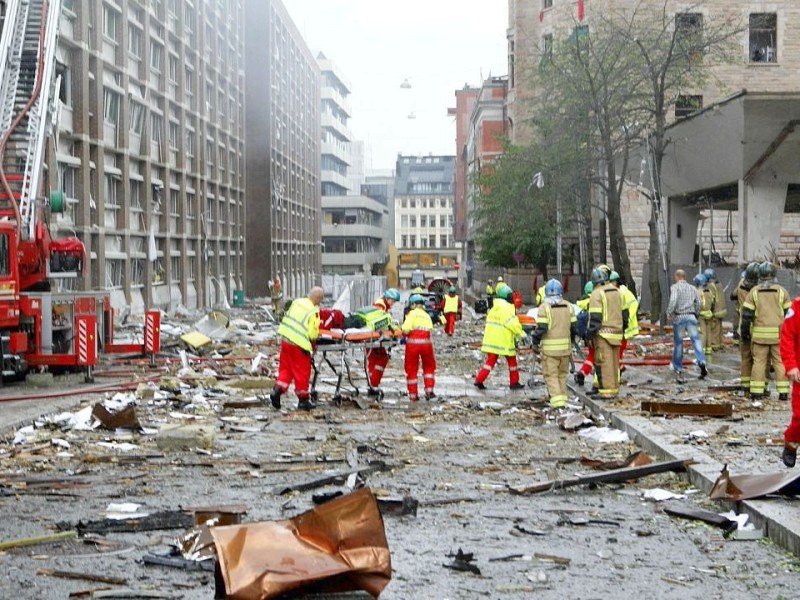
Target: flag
{"points": [[538, 180], [152, 250], [580, 10]]}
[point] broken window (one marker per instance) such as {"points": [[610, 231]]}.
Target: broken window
{"points": [[763, 37], [547, 47], [687, 104], [689, 34]]}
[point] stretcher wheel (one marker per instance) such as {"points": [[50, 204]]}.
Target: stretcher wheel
{"points": [[337, 401]]}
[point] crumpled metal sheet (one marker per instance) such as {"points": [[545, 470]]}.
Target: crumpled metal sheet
{"points": [[743, 487], [339, 546]]}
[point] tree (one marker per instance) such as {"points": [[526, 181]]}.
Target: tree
{"points": [[620, 80]]}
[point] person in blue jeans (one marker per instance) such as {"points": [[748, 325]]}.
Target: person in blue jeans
{"points": [[684, 306]]}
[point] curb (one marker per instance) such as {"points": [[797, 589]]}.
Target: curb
{"points": [[14, 415], [777, 517]]}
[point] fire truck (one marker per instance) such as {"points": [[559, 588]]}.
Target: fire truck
{"points": [[45, 320]]}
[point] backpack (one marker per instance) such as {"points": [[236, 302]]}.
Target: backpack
{"points": [[354, 321], [330, 318], [582, 324]]}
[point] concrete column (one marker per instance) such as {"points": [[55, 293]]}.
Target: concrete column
{"points": [[761, 207], [682, 233]]}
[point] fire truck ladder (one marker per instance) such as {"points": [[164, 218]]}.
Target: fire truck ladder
{"points": [[27, 90]]}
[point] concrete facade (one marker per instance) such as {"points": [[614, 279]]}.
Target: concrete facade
{"points": [[150, 148], [424, 216], [283, 161], [336, 137], [465, 102]]}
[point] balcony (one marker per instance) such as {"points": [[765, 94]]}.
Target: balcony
{"points": [[335, 150], [329, 93], [356, 230], [334, 177], [328, 121]]}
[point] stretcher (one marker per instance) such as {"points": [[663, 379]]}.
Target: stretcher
{"points": [[351, 345]]}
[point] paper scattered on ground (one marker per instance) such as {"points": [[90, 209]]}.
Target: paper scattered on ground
{"points": [[604, 435]]}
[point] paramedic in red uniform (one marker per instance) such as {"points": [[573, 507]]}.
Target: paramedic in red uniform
{"points": [[417, 328], [790, 354], [378, 358], [299, 331], [451, 309]]}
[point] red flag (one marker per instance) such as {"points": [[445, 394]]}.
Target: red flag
{"points": [[580, 10], [541, 15]]}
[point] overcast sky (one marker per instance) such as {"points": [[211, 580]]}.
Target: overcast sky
{"points": [[439, 45]]}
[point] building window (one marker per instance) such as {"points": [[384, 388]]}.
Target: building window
{"points": [[443, 241], [686, 105], [763, 37], [442, 220], [423, 221], [689, 34], [404, 221], [114, 269], [156, 52], [404, 241], [65, 91], [134, 41], [110, 107], [137, 117], [110, 23], [155, 122], [547, 3], [412, 221], [424, 242], [432, 241], [547, 47]]}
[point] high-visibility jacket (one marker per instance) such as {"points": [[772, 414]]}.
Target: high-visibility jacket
{"points": [[720, 308], [583, 304], [489, 289], [502, 329], [707, 300], [606, 313], [417, 322], [452, 304], [300, 324], [764, 307], [540, 296], [554, 326], [631, 304], [381, 303]]}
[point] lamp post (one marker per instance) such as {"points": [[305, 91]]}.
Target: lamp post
{"points": [[518, 258]]}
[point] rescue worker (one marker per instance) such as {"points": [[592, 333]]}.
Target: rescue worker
{"points": [[451, 309], [790, 353], [540, 295], [276, 295], [418, 290], [706, 319], [555, 329], [378, 358], [490, 292], [683, 309], [583, 305], [607, 322], [720, 308], [737, 308], [299, 331], [762, 317], [417, 328], [500, 336], [631, 303], [749, 281]]}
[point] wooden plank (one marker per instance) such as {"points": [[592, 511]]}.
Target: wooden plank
{"points": [[617, 476], [686, 409]]}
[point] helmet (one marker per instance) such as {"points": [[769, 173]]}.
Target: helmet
{"points": [[766, 271], [599, 276], [588, 288], [710, 274], [452, 290], [614, 276], [700, 280], [553, 288], [751, 273], [505, 292], [392, 294], [416, 299], [604, 267], [500, 278]]}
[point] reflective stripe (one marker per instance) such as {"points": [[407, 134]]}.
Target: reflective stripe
{"points": [[558, 401], [418, 341], [767, 331], [562, 344], [378, 368], [500, 349], [513, 369], [782, 387]]}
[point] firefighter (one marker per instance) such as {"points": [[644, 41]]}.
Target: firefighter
{"points": [[750, 279], [583, 320], [720, 308], [540, 295], [451, 309], [631, 303], [378, 358], [555, 329], [762, 317], [790, 353], [607, 322], [707, 303], [737, 308], [276, 295], [417, 328], [503, 331], [299, 330], [490, 293]]}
